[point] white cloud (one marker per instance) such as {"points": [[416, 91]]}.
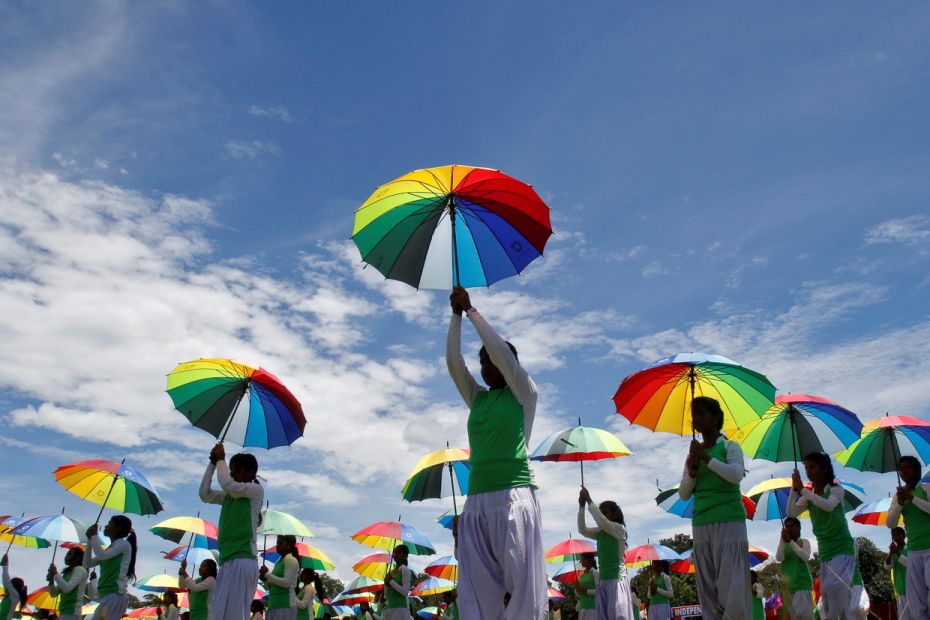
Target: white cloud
{"points": [[278, 112], [245, 149], [909, 230], [655, 268]]}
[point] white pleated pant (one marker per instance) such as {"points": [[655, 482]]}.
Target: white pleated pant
{"points": [[918, 584], [660, 611], [396, 614], [836, 575], [235, 586], [289, 613], [801, 605], [587, 614], [902, 608], [112, 607], [500, 551], [721, 566], [613, 599]]}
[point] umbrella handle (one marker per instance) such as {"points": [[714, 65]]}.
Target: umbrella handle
{"points": [[456, 279]]}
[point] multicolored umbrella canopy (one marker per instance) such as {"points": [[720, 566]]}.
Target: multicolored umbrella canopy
{"points": [[193, 555], [669, 501], [873, 513], [237, 402], [277, 523], [431, 478], [389, 534], [58, 528], [446, 519], [452, 225], [579, 444], [40, 598], [363, 584], [176, 528], [310, 557], [568, 550], [143, 612], [884, 441], [798, 424], [160, 583], [431, 586], [112, 485], [646, 554], [771, 498], [757, 555], [445, 567], [659, 397], [554, 595], [354, 598], [568, 573], [428, 612], [373, 565], [7, 523]]}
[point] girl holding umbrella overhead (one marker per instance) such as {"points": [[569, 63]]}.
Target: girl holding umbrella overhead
{"points": [[14, 592], [713, 471], [499, 538], [613, 588], [69, 585]]}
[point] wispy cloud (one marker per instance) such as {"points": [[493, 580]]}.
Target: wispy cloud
{"points": [[909, 230], [277, 112], [245, 149]]}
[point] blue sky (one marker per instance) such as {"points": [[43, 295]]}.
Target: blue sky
{"points": [[178, 180]]}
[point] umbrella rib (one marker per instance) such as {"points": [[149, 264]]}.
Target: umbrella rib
{"points": [[433, 211]]}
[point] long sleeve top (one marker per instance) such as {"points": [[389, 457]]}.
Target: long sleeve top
{"points": [[192, 585], [11, 592], [667, 590], [733, 471], [518, 380], [91, 591], [170, 613], [289, 578], [894, 511], [96, 555], [759, 591], [797, 504], [801, 547], [309, 596], [617, 530], [252, 490], [403, 587], [77, 579]]}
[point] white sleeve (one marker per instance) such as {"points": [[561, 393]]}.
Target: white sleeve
{"points": [[617, 530], [458, 370], [194, 586], [734, 469], [686, 486], [514, 374], [796, 505], [78, 577], [403, 587], [172, 613], [8, 586], [118, 547], [597, 579], [208, 494], [922, 503], [583, 529], [291, 571], [252, 490], [760, 593], [803, 550], [92, 592], [667, 591], [780, 552], [825, 503], [307, 601], [894, 513]]}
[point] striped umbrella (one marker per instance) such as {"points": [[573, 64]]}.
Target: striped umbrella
{"points": [[884, 441], [277, 523], [373, 565], [310, 557], [447, 518], [757, 555], [194, 556], [659, 397], [646, 554], [437, 474], [363, 584], [567, 573], [432, 586], [771, 497], [57, 528], [428, 612], [112, 485], [40, 598], [389, 534], [798, 424], [160, 583], [445, 567], [580, 444], [7, 523], [176, 528], [568, 550], [873, 513], [554, 595], [669, 501]]}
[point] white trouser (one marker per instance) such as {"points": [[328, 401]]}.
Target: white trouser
{"points": [[70, 617], [613, 599], [901, 603], [396, 614], [801, 605], [112, 607], [234, 590], [859, 603], [836, 576], [721, 566], [500, 551], [660, 611], [587, 614], [289, 613], [918, 583]]}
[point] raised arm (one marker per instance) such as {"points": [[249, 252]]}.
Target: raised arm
{"points": [[583, 529], [617, 530], [12, 592], [230, 487], [208, 494], [516, 376], [458, 370], [796, 505], [117, 547]]}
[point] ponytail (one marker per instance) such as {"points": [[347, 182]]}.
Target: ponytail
{"points": [[20, 586], [318, 587], [131, 539]]}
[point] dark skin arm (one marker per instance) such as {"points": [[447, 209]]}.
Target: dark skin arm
{"points": [[796, 482], [459, 300], [904, 495]]}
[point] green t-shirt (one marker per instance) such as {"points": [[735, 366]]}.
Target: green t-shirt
{"points": [[393, 598], [917, 523], [656, 598], [6, 607], [498, 444], [236, 531], [200, 602], [279, 597], [303, 614], [795, 571], [608, 556], [68, 603], [110, 574], [899, 573], [831, 529], [586, 581], [758, 608], [715, 499]]}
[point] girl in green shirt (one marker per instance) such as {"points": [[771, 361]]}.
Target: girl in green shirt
{"points": [[311, 590], [200, 590], [660, 591], [281, 580], [70, 585], [586, 588], [15, 592]]}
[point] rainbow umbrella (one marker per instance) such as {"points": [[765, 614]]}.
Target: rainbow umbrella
{"points": [[89, 609], [873, 513], [659, 397], [432, 586], [364, 584], [175, 528], [40, 598], [389, 534], [7, 523], [669, 501], [445, 567], [374, 565], [884, 441], [310, 557], [568, 550], [567, 573], [354, 598], [580, 444], [798, 424], [160, 583], [112, 485], [231, 400], [757, 555], [194, 556], [447, 518], [277, 523], [451, 225], [646, 554], [428, 612], [58, 528], [771, 498], [429, 481], [143, 612], [554, 595]]}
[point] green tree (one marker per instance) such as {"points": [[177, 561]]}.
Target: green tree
{"points": [[332, 585], [684, 585], [876, 579]]}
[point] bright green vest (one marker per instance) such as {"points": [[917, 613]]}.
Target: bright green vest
{"points": [[831, 530], [608, 556], [656, 598], [109, 575], [235, 529], [857, 576], [758, 608], [636, 615], [498, 444], [715, 499], [795, 571], [393, 598], [303, 614], [5, 607], [279, 597], [917, 523], [68, 602], [200, 602], [899, 573], [586, 581]]}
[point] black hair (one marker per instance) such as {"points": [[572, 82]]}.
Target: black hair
{"points": [[170, 598], [754, 576], [513, 350], [257, 605], [793, 520], [711, 406], [211, 567], [404, 548], [907, 458], [125, 524], [590, 555], [20, 586], [898, 530], [823, 460], [245, 462], [612, 505], [663, 564], [79, 554]]}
